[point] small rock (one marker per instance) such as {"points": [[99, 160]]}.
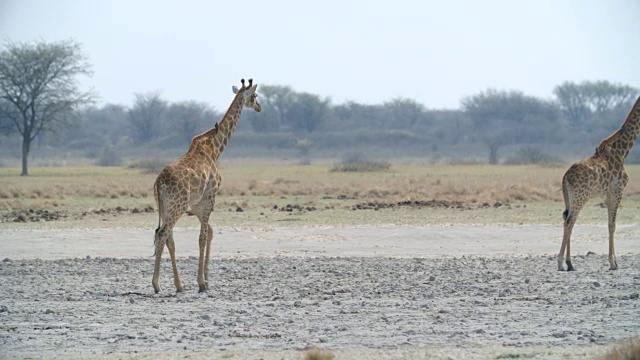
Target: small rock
{"points": [[239, 209], [526, 281], [6, 260], [432, 278], [205, 317], [596, 284], [131, 300], [4, 308], [49, 311], [297, 303]]}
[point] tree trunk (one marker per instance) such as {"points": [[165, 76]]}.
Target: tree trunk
{"points": [[493, 154], [26, 144]]}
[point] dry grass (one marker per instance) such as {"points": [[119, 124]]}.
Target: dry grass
{"points": [[629, 350], [120, 186], [318, 354]]}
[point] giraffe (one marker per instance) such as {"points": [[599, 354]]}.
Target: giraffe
{"points": [[602, 174], [192, 182]]}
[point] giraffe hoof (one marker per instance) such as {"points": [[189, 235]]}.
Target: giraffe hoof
{"points": [[613, 267], [203, 288], [179, 290], [570, 268]]}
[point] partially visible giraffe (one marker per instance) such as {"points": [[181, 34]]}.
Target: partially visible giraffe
{"points": [[602, 174], [192, 182]]}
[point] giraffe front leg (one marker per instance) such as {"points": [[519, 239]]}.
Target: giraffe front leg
{"points": [[206, 260], [612, 208]]}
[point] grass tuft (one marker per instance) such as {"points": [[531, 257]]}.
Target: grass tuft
{"points": [[628, 350], [318, 354]]}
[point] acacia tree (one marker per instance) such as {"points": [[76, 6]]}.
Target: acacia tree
{"points": [[501, 118], [38, 88], [405, 113], [276, 103], [581, 101], [189, 118], [307, 112]]}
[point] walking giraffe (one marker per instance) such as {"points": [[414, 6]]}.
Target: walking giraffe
{"points": [[602, 174], [192, 182]]}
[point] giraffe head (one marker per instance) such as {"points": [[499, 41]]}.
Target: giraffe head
{"points": [[249, 96]]}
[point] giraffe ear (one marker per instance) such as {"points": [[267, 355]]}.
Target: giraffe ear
{"points": [[252, 90], [234, 89]]}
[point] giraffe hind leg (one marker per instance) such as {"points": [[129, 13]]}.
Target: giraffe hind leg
{"points": [[159, 241], [571, 214], [172, 252]]}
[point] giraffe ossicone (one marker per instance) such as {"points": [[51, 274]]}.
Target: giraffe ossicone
{"points": [[191, 182]]}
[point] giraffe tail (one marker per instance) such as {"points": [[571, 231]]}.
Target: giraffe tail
{"points": [[566, 182], [158, 198]]}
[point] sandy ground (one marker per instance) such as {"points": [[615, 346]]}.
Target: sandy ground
{"points": [[389, 292]]}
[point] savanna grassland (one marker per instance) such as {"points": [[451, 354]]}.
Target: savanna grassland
{"points": [[359, 264], [259, 193]]}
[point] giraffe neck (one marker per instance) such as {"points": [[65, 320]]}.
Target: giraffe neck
{"points": [[227, 125], [619, 144]]}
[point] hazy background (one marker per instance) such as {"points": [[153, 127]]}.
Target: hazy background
{"points": [[366, 53]]}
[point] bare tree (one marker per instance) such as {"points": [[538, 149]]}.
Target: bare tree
{"points": [[147, 116], [38, 88]]}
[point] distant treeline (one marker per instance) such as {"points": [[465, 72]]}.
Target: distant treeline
{"points": [[492, 126]]}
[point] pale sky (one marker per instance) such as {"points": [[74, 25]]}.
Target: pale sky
{"points": [[369, 51]]}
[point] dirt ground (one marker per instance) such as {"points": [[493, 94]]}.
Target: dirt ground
{"points": [[360, 292]]}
